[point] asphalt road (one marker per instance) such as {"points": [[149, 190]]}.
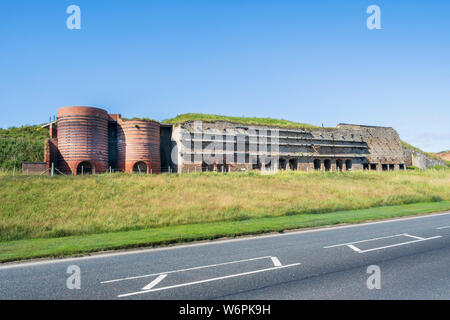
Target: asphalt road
{"points": [[412, 254]]}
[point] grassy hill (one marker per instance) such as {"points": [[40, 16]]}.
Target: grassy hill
{"points": [[21, 144], [244, 120]]}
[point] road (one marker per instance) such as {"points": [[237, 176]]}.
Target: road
{"points": [[412, 254]]}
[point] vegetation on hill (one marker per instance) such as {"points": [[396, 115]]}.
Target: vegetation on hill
{"points": [[186, 117], [21, 144]]}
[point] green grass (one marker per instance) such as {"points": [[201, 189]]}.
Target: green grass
{"points": [[138, 119], [46, 207], [21, 144], [63, 246], [243, 120]]}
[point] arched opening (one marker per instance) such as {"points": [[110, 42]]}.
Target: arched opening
{"points": [[293, 164], [85, 167], [256, 164], [327, 164], [282, 164], [339, 165], [348, 165], [222, 167], [317, 164], [207, 167], [140, 167]]}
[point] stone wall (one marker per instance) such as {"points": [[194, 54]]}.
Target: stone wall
{"points": [[238, 146], [419, 159]]}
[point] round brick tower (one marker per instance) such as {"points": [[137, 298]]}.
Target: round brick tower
{"points": [[138, 146], [83, 140]]}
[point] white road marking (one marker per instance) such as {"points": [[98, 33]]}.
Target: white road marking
{"points": [[440, 228], [398, 244], [276, 262], [188, 269], [354, 248], [353, 242], [415, 237], [207, 280], [154, 282]]}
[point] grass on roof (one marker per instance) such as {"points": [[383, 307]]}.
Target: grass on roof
{"points": [[138, 119], [186, 117]]}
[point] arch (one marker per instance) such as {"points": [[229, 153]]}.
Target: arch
{"points": [[282, 164], [348, 165], [293, 164], [327, 164], [85, 167], [339, 165], [317, 164], [207, 167], [140, 167], [223, 165]]}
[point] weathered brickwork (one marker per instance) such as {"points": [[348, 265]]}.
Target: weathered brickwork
{"points": [[89, 140]]}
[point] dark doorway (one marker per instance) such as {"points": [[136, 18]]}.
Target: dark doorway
{"points": [[140, 167], [85, 167], [222, 166], [293, 164], [282, 164], [391, 167], [348, 165], [384, 167], [401, 166], [317, 164], [207, 167], [327, 164], [365, 166], [373, 166], [339, 165]]}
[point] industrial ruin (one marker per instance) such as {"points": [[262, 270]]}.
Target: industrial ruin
{"points": [[86, 140]]}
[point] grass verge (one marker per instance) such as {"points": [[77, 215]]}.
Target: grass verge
{"points": [[74, 245]]}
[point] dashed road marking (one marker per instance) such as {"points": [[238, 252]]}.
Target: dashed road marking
{"points": [[352, 246], [187, 269], [207, 280]]}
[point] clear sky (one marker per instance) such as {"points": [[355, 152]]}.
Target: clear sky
{"points": [[306, 61]]}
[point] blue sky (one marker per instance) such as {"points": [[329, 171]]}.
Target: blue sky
{"points": [[306, 61]]}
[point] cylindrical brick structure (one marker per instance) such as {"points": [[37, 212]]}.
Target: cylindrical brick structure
{"points": [[82, 140], [138, 146]]}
